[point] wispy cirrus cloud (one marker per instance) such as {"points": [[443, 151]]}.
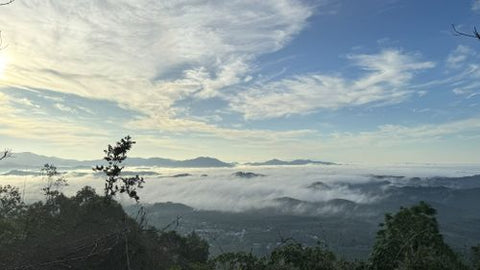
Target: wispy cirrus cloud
{"points": [[144, 55], [43, 128], [460, 56], [386, 79], [401, 134], [463, 72], [65, 121]]}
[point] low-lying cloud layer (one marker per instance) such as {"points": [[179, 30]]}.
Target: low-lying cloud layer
{"points": [[219, 189]]}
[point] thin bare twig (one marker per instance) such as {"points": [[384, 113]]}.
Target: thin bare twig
{"points": [[175, 222], [7, 3], [458, 33], [1, 40], [6, 154]]}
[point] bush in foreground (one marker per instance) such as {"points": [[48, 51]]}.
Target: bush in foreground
{"points": [[88, 232]]}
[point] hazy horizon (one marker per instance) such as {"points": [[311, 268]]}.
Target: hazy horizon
{"points": [[385, 164]]}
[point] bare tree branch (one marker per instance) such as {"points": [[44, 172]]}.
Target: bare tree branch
{"points": [[7, 3], [1, 40], [458, 33], [6, 154], [175, 222]]}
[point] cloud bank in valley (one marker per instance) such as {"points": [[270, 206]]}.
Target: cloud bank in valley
{"points": [[222, 191]]}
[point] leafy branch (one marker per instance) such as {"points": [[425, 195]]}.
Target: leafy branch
{"points": [[115, 156]]}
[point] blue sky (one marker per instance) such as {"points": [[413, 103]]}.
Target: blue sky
{"points": [[348, 81]]}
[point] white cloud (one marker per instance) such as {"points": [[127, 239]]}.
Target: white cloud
{"points": [[186, 125], [386, 81], [459, 56], [387, 135], [464, 73], [421, 93], [460, 91], [33, 131], [64, 108], [144, 54], [476, 5], [224, 192], [26, 102]]}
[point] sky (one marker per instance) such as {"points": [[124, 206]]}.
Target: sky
{"points": [[373, 81]]}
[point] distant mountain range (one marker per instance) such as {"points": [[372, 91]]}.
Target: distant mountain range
{"points": [[278, 162], [28, 160], [31, 160]]}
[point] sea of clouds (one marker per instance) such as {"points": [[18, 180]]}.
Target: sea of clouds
{"points": [[219, 189]]}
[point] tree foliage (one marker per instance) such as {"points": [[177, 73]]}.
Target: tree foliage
{"points": [[410, 239], [476, 257], [11, 209], [303, 258], [88, 233], [288, 256], [115, 156], [10, 201], [54, 182]]}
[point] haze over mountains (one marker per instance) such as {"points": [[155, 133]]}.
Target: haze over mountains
{"points": [[343, 211], [277, 162], [346, 226], [32, 160]]}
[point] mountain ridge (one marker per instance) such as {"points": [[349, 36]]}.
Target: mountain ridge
{"points": [[29, 160], [278, 162], [32, 160]]}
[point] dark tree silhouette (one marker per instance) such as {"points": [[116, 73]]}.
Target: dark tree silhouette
{"points": [[115, 156]]}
